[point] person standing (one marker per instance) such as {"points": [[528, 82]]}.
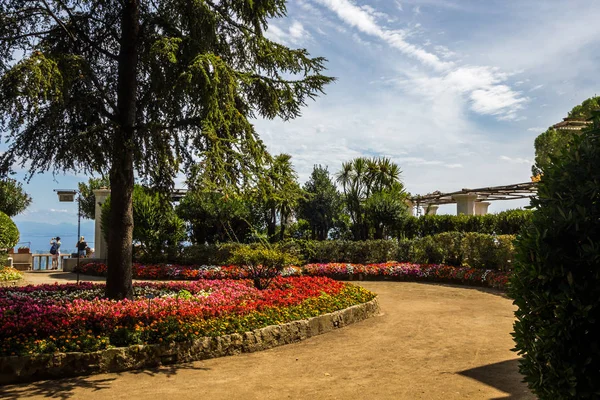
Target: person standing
{"points": [[81, 247], [55, 251]]}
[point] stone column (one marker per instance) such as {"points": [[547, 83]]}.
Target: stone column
{"points": [[481, 207], [465, 203], [430, 209], [411, 207], [99, 241]]}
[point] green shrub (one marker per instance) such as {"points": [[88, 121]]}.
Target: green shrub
{"points": [[453, 248], [556, 283], [507, 222], [262, 263], [9, 234], [451, 243], [426, 250]]}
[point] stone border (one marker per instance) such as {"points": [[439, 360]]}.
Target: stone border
{"points": [[17, 369]]}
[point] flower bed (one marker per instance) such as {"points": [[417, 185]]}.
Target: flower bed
{"points": [[10, 274], [69, 318], [391, 270]]}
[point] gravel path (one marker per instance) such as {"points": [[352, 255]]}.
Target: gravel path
{"points": [[430, 342]]}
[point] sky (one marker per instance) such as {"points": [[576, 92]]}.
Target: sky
{"points": [[454, 92]]}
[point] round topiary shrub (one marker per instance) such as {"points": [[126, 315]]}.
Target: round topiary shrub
{"points": [[556, 281], [9, 234]]}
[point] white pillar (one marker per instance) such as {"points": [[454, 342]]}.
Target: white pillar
{"points": [[99, 241], [465, 203], [481, 207], [431, 209], [411, 207]]}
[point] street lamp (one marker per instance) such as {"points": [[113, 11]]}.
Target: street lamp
{"points": [[68, 196]]}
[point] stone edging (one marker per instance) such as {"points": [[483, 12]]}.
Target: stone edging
{"points": [[16, 369]]}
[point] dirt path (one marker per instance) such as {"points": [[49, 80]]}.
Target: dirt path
{"points": [[430, 342]]}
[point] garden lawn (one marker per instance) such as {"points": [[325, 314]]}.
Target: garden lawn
{"points": [[70, 317]]}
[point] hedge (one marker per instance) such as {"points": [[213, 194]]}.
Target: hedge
{"points": [[476, 250], [504, 223]]}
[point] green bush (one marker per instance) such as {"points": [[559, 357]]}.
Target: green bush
{"points": [[9, 234], [262, 263], [556, 283], [426, 250], [507, 222], [453, 248]]}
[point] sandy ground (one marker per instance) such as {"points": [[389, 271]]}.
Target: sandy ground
{"points": [[430, 342]]}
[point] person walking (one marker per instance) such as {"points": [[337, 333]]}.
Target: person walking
{"points": [[55, 251], [81, 247]]}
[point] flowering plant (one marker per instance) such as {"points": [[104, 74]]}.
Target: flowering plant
{"points": [[70, 317]]}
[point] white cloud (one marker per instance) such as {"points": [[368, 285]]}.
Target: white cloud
{"points": [[61, 211], [536, 88], [484, 89], [294, 35], [516, 160], [398, 5], [417, 10], [537, 129], [366, 22]]}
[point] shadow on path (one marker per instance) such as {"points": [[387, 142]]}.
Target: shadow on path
{"points": [[65, 388], [59, 389], [502, 376]]}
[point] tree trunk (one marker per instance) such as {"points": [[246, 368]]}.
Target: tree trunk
{"points": [[118, 279], [272, 225]]}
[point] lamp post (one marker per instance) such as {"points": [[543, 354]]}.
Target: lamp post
{"points": [[69, 196]]}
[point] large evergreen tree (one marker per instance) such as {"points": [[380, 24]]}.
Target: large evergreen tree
{"points": [[125, 86], [322, 205]]}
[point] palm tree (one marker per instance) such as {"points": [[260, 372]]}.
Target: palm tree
{"points": [[361, 179]]}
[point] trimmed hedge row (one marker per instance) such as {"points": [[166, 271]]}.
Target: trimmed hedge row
{"points": [[504, 223], [476, 250]]}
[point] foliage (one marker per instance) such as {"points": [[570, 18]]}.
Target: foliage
{"points": [[586, 109], [63, 318], [476, 250], [216, 217], [145, 89], [322, 206], [262, 263], [507, 222], [556, 285], [156, 226], [279, 194], [13, 199], [552, 142], [9, 274], [9, 234], [87, 197], [372, 194]]}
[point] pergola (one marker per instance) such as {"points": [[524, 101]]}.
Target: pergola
{"points": [[473, 201]]}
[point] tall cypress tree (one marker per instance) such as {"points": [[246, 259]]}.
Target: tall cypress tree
{"points": [[146, 87]]}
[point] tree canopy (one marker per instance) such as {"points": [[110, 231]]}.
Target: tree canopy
{"points": [[13, 199], [552, 142], [323, 204], [372, 188], [125, 87]]}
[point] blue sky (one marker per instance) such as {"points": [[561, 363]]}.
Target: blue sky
{"points": [[455, 92]]}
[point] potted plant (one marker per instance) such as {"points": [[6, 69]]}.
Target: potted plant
{"points": [[23, 250]]}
